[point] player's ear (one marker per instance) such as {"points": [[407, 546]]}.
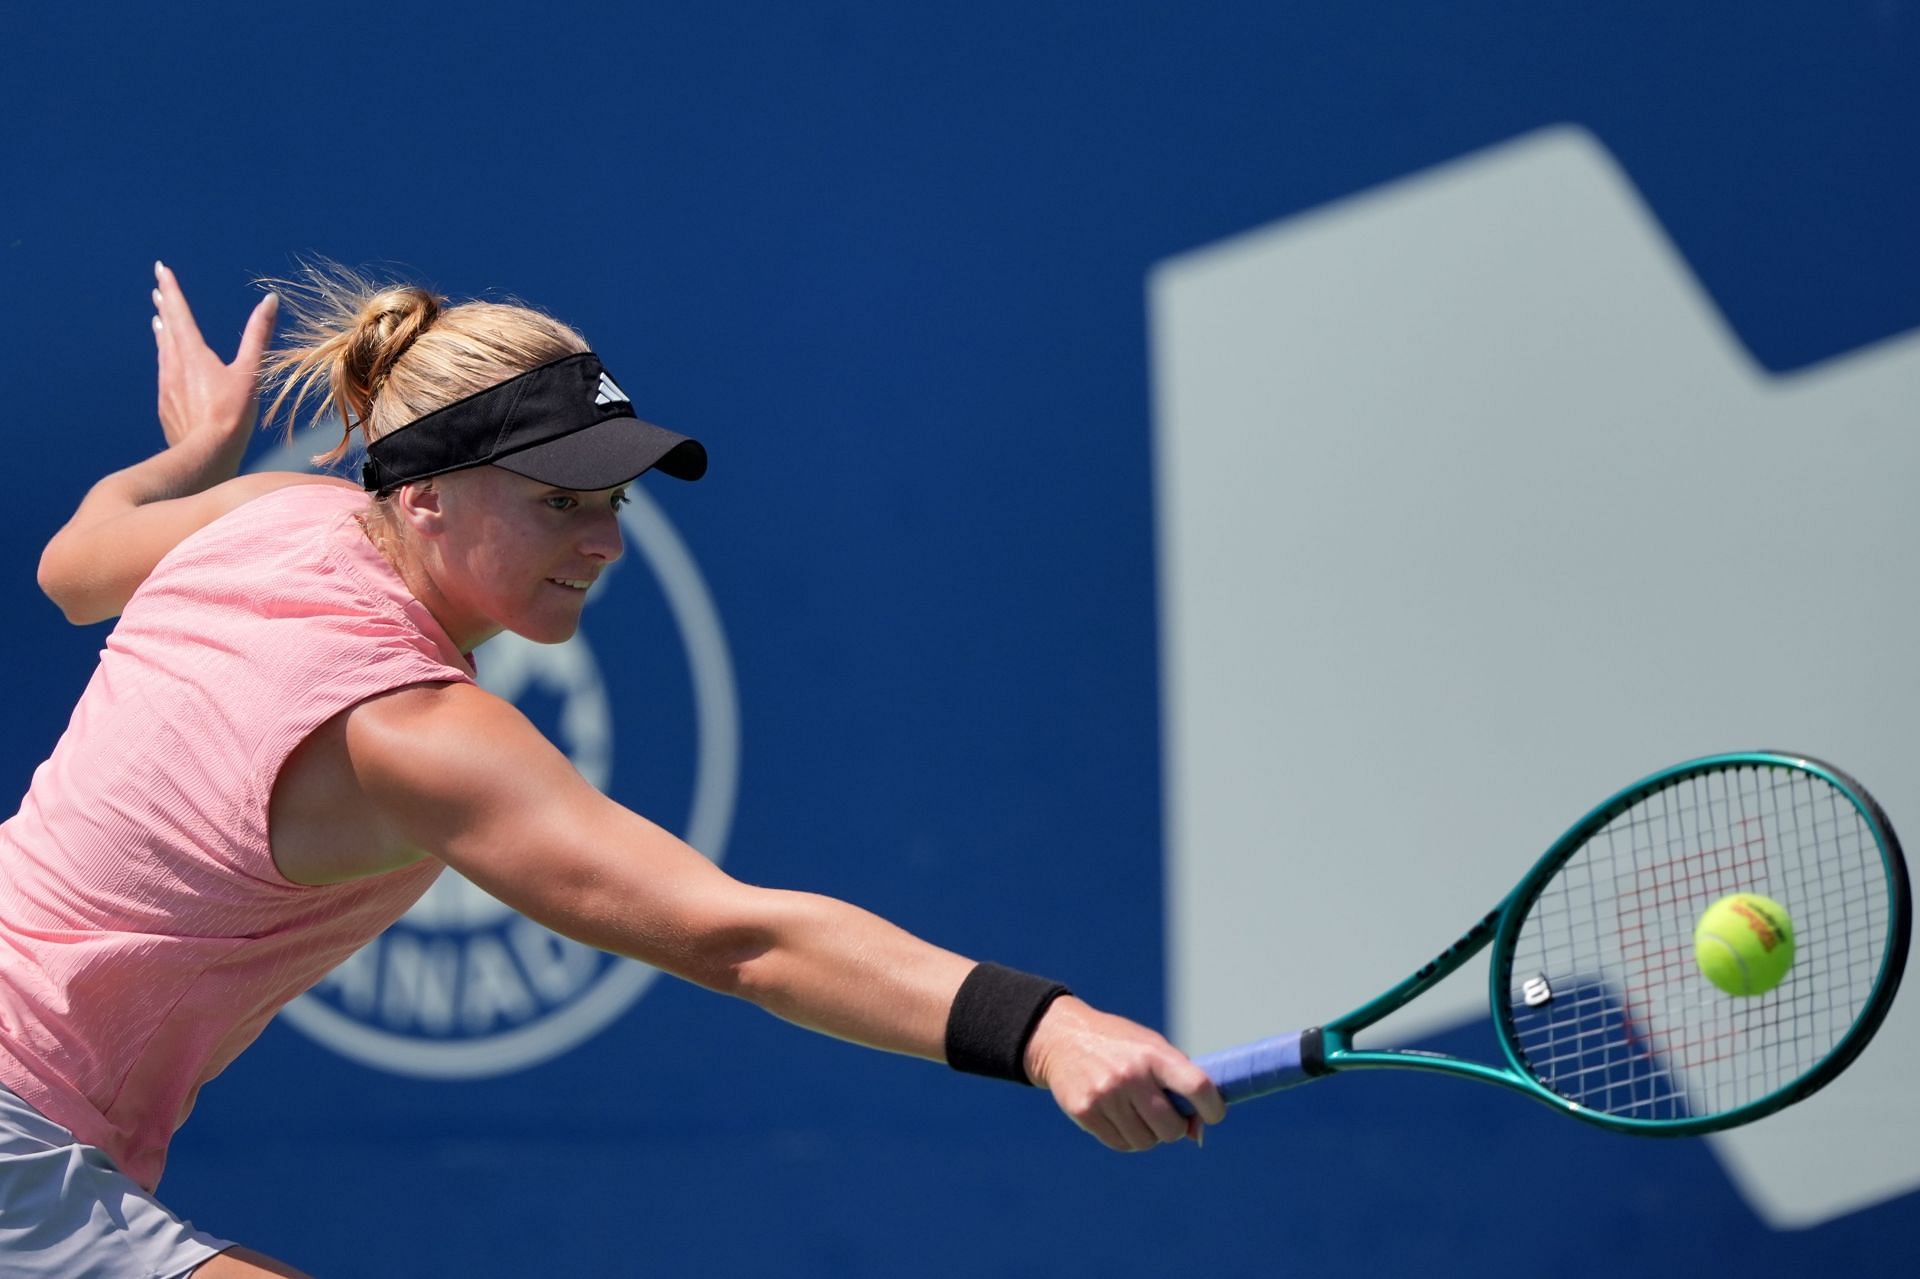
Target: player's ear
{"points": [[421, 506]]}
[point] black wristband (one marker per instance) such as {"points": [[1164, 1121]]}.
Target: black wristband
{"points": [[992, 1018]]}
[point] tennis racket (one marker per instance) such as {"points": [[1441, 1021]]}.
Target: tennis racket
{"points": [[1600, 1009]]}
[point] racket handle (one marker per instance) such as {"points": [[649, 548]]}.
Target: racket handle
{"points": [[1256, 1069]]}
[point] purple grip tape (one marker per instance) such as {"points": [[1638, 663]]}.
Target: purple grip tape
{"points": [[1256, 1069]]}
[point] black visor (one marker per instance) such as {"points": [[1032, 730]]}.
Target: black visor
{"points": [[565, 423]]}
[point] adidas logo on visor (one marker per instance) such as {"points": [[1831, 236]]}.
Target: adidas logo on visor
{"points": [[610, 392]]}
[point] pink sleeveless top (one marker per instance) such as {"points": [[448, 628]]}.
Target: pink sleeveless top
{"points": [[146, 936]]}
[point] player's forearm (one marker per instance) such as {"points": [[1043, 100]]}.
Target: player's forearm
{"points": [[77, 570], [93, 566], [846, 972], [178, 471]]}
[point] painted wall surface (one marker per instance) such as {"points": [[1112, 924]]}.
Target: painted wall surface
{"points": [[1165, 461]]}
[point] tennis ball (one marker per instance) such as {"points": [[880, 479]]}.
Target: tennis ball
{"points": [[1744, 943]]}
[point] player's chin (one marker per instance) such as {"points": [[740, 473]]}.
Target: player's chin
{"points": [[548, 632], [555, 623]]}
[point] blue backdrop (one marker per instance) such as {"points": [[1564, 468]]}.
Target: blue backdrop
{"points": [[889, 262]]}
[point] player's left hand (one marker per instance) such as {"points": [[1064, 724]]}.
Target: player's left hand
{"points": [[1111, 1076], [206, 404]]}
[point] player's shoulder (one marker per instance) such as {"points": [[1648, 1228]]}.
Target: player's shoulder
{"points": [[291, 487], [440, 739], [269, 499], [416, 721], [207, 543], [439, 700]]}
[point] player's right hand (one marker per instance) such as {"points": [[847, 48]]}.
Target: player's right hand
{"points": [[1112, 1076]]}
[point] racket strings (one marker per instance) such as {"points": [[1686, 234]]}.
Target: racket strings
{"points": [[1629, 1025]]}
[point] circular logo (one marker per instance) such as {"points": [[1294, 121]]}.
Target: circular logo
{"points": [[463, 986]]}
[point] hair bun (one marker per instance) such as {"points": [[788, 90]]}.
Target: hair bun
{"points": [[356, 344], [388, 323]]}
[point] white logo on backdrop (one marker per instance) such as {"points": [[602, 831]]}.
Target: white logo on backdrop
{"points": [[1471, 510], [463, 986]]}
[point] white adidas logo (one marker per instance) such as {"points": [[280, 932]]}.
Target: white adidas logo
{"points": [[610, 392]]}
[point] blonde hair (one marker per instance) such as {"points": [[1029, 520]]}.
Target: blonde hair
{"points": [[379, 354]]}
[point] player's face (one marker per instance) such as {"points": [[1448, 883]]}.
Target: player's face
{"points": [[518, 555]]}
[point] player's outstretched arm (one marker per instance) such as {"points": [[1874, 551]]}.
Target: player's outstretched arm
{"points": [[461, 774], [132, 518]]}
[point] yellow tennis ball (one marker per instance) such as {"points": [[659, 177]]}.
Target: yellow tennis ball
{"points": [[1744, 943]]}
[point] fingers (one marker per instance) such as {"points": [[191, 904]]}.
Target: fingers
{"points": [[1118, 1128], [1132, 1124], [1164, 1122], [1192, 1083], [164, 335], [174, 323], [1141, 1115], [259, 331], [171, 303], [162, 341], [1134, 1133]]}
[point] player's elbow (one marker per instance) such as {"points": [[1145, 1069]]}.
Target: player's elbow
{"points": [[765, 954], [728, 955], [53, 578], [61, 581], [734, 963], [738, 949], [722, 947]]}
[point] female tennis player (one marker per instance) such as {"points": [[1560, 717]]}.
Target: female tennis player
{"points": [[283, 745]]}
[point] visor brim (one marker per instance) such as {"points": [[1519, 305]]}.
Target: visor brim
{"points": [[607, 455]]}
